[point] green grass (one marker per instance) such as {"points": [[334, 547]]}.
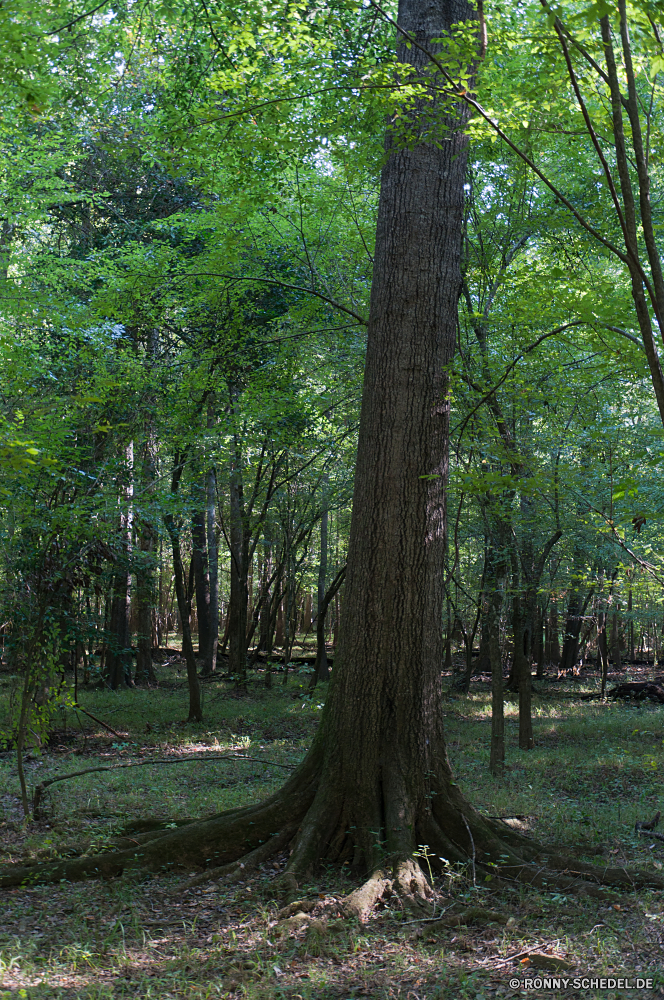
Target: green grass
{"points": [[595, 769]]}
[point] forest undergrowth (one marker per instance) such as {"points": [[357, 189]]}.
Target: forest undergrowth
{"points": [[595, 770]]}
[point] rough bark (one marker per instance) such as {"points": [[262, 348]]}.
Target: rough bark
{"points": [[385, 761]]}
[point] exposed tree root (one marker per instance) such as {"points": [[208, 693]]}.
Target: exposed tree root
{"points": [[224, 838], [361, 902], [411, 886], [406, 880], [243, 866], [326, 824]]}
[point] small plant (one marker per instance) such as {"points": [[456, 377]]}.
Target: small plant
{"points": [[424, 853]]}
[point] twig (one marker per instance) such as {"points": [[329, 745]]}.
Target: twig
{"points": [[522, 954], [427, 920], [95, 719]]}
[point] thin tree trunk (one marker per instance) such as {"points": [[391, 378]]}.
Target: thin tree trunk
{"points": [[539, 642], [321, 670], [147, 543], [554, 641], [239, 596], [602, 647], [210, 663], [201, 576], [144, 607], [266, 604], [320, 627], [497, 756], [615, 642], [118, 656], [574, 615], [195, 711]]}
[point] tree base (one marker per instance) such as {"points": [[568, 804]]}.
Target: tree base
{"points": [[306, 816]]}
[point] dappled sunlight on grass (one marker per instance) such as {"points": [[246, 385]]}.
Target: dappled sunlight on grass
{"points": [[595, 769]]}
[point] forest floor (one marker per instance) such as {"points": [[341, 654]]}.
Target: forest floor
{"points": [[596, 768]]}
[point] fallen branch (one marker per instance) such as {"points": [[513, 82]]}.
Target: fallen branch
{"points": [[95, 719], [526, 953], [41, 788], [639, 690], [647, 829]]}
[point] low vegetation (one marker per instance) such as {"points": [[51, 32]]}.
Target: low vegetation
{"points": [[595, 770]]}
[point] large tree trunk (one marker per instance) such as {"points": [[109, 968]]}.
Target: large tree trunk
{"points": [[385, 766]]}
